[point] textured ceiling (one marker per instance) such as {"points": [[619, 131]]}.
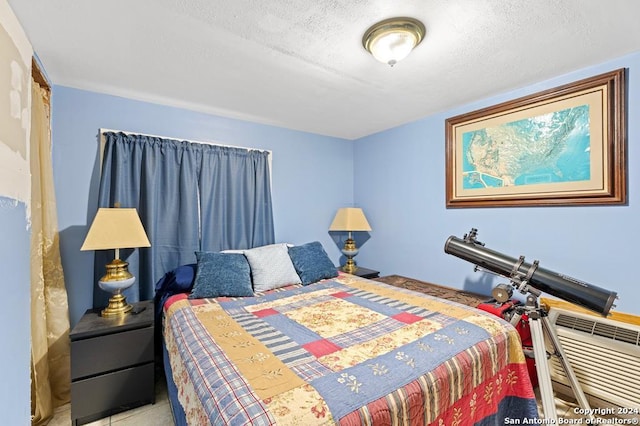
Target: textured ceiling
{"points": [[300, 64]]}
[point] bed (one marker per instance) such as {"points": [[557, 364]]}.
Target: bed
{"points": [[330, 348]]}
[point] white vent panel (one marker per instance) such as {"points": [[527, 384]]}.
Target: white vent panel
{"points": [[604, 354]]}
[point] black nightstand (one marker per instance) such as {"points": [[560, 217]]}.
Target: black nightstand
{"points": [[364, 272], [112, 363]]}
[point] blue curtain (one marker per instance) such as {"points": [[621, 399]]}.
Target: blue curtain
{"points": [[235, 199], [190, 196]]}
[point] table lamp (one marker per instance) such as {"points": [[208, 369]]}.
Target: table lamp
{"points": [[350, 219], [116, 228]]}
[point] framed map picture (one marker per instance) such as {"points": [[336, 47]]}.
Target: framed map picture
{"points": [[564, 146]]}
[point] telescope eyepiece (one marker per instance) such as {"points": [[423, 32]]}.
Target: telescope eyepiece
{"points": [[471, 237]]}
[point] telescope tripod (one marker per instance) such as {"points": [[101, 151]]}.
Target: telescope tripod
{"points": [[540, 326]]}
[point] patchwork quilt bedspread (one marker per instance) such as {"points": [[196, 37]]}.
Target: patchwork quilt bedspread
{"points": [[347, 351]]}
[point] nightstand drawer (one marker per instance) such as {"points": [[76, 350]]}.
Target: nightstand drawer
{"points": [[104, 395], [111, 352]]}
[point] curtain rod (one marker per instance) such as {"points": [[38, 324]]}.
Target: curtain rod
{"points": [[103, 130]]}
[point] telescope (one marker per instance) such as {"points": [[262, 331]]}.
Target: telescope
{"points": [[530, 274]]}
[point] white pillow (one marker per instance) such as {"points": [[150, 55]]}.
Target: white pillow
{"points": [[271, 267]]}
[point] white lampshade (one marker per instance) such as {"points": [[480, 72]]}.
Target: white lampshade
{"points": [[393, 39], [350, 219], [116, 228]]}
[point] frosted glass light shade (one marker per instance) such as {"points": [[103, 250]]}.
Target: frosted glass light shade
{"points": [[392, 40], [392, 47]]}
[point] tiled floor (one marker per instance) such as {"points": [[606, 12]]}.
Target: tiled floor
{"points": [[564, 409]]}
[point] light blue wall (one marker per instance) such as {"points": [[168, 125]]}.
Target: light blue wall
{"points": [[15, 314], [400, 183], [312, 174], [397, 176]]}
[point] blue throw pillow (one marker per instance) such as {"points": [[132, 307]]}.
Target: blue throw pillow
{"points": [[312, 263], [179, 280], [221, 274]]}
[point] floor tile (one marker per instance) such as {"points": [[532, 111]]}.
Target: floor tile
{"points": [[61, 416], [158, 414]]}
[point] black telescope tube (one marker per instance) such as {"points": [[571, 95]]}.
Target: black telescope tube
{"points": [[586, 295]]}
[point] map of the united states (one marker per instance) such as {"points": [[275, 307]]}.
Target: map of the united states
{"points": [[548, 148]]}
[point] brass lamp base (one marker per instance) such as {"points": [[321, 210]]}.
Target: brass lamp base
{"points": [[117, 270], [117, 306], [350, 267], [117, 279], [350, 251]]}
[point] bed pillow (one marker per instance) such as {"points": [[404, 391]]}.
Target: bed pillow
{"points": [[221, 274], [312, 263], [179, 280], [271, 267]]}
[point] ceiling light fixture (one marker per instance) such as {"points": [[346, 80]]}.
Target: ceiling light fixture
{"points": [[391, 40]]}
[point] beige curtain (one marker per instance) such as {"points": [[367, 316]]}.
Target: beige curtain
{"points": [[50, 367]]}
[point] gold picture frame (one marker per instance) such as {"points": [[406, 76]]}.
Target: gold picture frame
{"points": [[560, 147]]}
